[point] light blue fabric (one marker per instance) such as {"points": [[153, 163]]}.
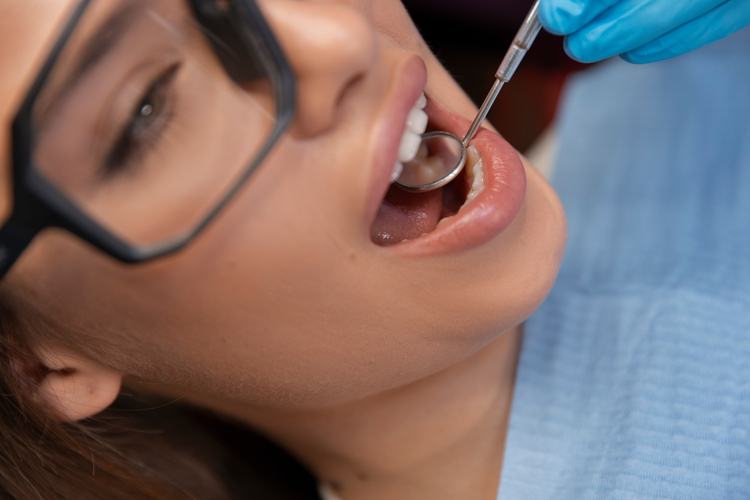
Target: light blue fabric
{"points": [[634, 377]]}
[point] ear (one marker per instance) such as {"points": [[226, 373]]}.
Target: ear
{"points": [[72, 386]]}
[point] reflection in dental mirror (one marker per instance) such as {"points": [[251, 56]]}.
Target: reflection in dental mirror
{"points": [[139, 126], [440, 158]]}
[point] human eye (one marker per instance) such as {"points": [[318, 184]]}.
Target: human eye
{"points": [[148, 119]]}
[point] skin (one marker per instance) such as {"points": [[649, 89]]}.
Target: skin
{"points": [[386, 373]]}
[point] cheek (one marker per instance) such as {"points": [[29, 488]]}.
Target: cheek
{"points": [[265, 308], [336, 321]]}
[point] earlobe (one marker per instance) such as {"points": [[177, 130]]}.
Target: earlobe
{"points": [[72, 386]]}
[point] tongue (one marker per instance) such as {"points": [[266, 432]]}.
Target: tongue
{"points": [[405, 216]]}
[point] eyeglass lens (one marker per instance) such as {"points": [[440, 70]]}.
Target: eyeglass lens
{"points": [[139, 125]]}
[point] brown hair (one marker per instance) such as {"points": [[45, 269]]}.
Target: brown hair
{"points": [[121, 454], [140, 448]]}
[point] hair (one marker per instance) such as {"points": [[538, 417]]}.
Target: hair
{"points": [[139, 448], [44, 458]]}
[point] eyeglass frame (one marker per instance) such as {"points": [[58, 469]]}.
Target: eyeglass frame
{"points": [[38, 205]]}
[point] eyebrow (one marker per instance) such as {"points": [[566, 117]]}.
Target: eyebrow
{"points": [[101, 43]]}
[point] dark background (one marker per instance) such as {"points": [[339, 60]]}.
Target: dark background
{"points": [[470, 37]]}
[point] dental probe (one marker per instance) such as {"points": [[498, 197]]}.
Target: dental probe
{"points": [[521, 43], [451, 149]]}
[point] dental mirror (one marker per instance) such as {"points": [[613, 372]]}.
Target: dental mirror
{"points": [[442, 155]]}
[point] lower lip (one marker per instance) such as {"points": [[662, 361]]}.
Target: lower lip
{"points": [[493, 210]]}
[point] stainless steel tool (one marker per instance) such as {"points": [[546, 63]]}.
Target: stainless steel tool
{"points": [[443, 155]]}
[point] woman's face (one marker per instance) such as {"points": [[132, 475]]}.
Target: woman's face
{"points": [[295, 294]]}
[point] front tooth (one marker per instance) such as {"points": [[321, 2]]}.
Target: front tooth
{"points": [[417, 121], [398, 167], [409, 146], [421, 102]]}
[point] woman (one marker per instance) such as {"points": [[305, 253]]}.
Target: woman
{"points": [[386, 366], [372, 333]]}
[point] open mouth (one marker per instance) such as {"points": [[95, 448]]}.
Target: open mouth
{"points": [[473, 209], [404, 216]]}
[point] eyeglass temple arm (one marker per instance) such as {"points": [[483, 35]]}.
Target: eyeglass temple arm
{"points": [[29, 218], [14, 238]]}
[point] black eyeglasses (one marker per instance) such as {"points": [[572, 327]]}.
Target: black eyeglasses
{"points": [[145, 120]]}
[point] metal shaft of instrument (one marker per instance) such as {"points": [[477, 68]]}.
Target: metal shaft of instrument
{"points": [[521, 43]]}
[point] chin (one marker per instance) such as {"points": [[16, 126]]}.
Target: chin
{"points": [[509, 277]]}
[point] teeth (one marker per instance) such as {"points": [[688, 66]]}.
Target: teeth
{"points": [[416, 124], [409, 146], [398, 167], [422, 153], [474, 174], [417, 121], [429, 170]]}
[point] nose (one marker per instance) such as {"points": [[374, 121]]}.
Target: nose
{"points": [[330, 46]]}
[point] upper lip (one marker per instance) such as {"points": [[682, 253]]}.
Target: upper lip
{"points": [[505, 182], [407, 85]]}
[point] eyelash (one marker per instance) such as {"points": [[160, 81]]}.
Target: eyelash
{"points": [[131, 144]]}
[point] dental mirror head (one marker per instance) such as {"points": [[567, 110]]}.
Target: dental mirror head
{"points": [[440, 158], [442, 155]]}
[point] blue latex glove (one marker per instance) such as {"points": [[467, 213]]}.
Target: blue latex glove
{"points": [[641, 31]]}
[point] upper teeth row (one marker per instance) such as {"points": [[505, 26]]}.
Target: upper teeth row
{"points": [[416, 124]]}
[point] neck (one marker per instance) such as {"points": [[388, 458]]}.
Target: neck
{"points": [[440, 437]]}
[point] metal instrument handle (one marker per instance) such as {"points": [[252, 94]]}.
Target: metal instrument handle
{"points": [[521, 43]]}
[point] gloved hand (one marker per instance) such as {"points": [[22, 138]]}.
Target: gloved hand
{"points": [[641, 31]]}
